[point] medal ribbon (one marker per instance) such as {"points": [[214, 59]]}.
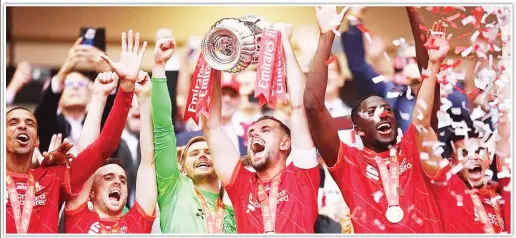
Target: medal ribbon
{"points": [[269, 204], [214, 225], [479, 207], [21, 220], [270, 79], [390, 179], [199, 97]]}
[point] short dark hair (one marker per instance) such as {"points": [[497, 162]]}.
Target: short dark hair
{"points": [[354, 111], [17, 108], [113, 161], [187, 146], [282, 125]]}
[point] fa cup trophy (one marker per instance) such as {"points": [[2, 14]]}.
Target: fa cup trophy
{"points": [[232, 44]]}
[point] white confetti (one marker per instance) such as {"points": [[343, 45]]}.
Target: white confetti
{"points": [[420, 115], [456, 168], [409, 93], [424, 156], [352, 18], [483, 21], [400, 135], [481, 55], [404, 116], [379, 224], [337, 33], [379, 78], [461, 75], [459, 200], [482, 84], [444, 119], [386, 56], [475, 35], [421, 129], [489, 174], [427, 143], [377, 195], [466, 52], [477, 113], [443, 163], [468, 20], [445, 104], [417, 219], [392, 94], [438, 151], [456, 111], [423, 104], [490, 61], [477, 66], [368, 37]]}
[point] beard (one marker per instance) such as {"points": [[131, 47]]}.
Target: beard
{"points": [[261, 165]]}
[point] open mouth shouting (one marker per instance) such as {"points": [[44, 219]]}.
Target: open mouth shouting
{"points": [[22, 138], [115, 195], [384, 128], [475, 172], [258, 148]]}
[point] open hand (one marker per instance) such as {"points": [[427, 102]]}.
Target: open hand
{"points": [[437, 45], [328, 18], [131, 57], [58, 152]]}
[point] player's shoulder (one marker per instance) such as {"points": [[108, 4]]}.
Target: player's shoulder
{"points": [[54, 170]]}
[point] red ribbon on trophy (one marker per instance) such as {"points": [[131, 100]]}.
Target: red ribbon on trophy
{"points": [[270, 84], [199, 98]]}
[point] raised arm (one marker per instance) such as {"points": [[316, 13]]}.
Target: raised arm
{"points": [[22, 76], [146, 188], [46, 111], [325, 137], [439, 48], [296, 82], [416, 19], [223, 153], [92, 157], [165, 150], [104, 84]]}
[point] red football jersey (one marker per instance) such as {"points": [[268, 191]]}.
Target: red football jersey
{"points": [[357, 175], [456, 206], [52, 187], [82, 220], [297, 200]]}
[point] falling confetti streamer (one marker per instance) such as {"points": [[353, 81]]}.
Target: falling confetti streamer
{"points": [[379, 224], [330, 60], [443, 163], [459, 200], [404, 116], [377, 195], [424, 156], [379, 78], [468, 20], [456, 168], [392, 94]]}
